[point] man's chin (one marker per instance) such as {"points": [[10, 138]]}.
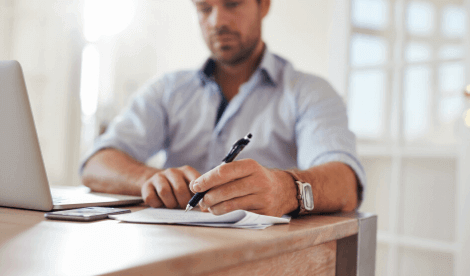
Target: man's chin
{"points": [[232, 54], [229, 59], [224, 60]]}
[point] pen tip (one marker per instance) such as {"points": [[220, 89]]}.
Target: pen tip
{"points": [[188, 208]]}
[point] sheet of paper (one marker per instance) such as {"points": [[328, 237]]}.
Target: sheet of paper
{"points": [[228, 225], [239, 218]]}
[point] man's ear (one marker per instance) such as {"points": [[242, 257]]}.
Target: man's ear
{"points": [[265, 5]]}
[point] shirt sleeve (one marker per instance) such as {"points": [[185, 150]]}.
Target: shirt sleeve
{"points": [[322, 132], [141, 129]]}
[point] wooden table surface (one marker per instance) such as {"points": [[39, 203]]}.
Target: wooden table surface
{"points": [[33, 245]]}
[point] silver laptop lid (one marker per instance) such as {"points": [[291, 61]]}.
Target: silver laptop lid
{"points": [[23, 180]]}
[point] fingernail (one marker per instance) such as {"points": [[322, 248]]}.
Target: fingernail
{"points": [[196, 187]]}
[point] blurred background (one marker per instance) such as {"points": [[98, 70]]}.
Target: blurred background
{"points": [[401, 66]]}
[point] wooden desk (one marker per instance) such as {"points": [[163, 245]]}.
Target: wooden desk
{"points": [[340, 244]]}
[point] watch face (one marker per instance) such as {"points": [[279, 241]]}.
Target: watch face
{"points": [[307, 197]]}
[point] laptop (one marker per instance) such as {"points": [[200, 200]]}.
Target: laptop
{"points": [[23, 179]]}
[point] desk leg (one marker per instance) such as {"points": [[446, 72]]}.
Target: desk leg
{"points": [[346, 256], [356, 254]]}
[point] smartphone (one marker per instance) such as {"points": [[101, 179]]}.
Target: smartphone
{"points": [[86, 214]]}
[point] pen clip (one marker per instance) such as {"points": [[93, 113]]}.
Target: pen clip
{"points": [[237, 147]]}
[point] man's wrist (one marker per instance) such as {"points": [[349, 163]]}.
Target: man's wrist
{"points": [[291, 203], [144, 173]]}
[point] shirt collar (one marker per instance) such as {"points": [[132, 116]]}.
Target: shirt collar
{"points": [[267, 67], [206, 73]]}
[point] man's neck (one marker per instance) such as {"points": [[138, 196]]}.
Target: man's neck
{"points": [[231, 77]]}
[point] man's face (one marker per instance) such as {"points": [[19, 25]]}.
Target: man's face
{"points": [[231, 28]]}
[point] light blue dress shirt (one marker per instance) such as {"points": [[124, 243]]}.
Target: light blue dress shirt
{"points": [[297, 120]]}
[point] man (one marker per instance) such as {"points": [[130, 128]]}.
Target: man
{"points": [[297, 120]]}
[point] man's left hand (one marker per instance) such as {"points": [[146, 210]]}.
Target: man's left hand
{"points": [[246, 185]]}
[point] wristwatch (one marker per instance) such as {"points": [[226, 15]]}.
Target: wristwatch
{"points": [[304, 195]]}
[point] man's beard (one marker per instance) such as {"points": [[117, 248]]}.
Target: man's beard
{"points": [[244, 50]]}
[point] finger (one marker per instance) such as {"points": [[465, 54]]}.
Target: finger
{"points": [[202, 206], [190, 173], [224, 173], [248, 203], [164, 191], [149, 195], [179, 186], [238, 188]]}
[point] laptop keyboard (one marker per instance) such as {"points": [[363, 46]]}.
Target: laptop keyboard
{"points": [[60, 199], [60, 196]]}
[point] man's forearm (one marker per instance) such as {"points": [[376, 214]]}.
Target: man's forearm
{"points": [[334, 187], [112, 171]]}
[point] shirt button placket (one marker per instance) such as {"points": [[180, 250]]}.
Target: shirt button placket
{"points": [[217, 151], [212, 150], [221, 150]]}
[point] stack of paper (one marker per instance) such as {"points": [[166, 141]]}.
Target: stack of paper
{"points": [[235, 219]]}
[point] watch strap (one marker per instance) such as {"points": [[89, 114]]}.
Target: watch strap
{"points": [[298, 183]]}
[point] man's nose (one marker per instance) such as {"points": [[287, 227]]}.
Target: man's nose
{"points": [[218, 17]]}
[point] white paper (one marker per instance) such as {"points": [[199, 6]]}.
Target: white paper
{"points": [[235, 219]]}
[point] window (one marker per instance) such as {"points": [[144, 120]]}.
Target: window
{"points": [[100, 18], [407, 70], [406, 65]]}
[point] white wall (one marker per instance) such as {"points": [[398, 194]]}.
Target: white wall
{"points": [[41, 35], [299, 30], [6, 21]]}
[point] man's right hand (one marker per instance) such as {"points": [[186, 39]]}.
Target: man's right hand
{"points": [[169, 188]]}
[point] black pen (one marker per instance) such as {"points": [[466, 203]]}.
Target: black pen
{"points": [[236, 149]]}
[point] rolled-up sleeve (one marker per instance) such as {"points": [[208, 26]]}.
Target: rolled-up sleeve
{"points": [[322, 132], [140, 130]]}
